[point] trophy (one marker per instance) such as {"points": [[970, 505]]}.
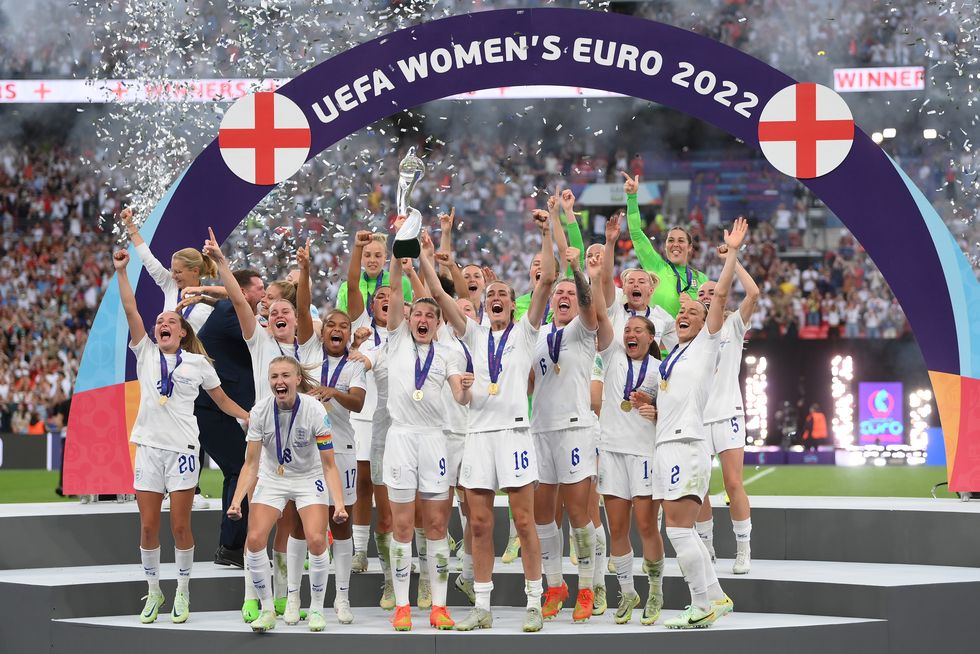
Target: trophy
{"points": [[410, 172]]}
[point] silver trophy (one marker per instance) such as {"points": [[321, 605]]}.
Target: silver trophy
{"points": [[410, 172]]}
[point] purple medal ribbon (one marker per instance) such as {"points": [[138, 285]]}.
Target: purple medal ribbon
{"points": [[667, 366], [374, 328], [630, 386], [326, 379], [495, 355], [422, 371], [633, 313], [186, 311], [677, 275], [292, 419], [544, 317], [370, 296], [554, 342], [466, 353], [295, 348], [167, 379]]}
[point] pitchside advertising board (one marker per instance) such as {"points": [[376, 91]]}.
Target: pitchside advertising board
{"points": [[804, 129], [881, 413]]}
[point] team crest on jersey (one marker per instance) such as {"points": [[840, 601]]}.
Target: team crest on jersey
{"points": [[302, 437]]}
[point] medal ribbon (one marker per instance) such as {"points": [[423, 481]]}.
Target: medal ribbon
{"points": [[331, 380], [633, 313], [554, 342], [167, 379], [544, 318], [422, 371], [374, 328], [295, 348], [495, 355], [630, 386], [677, 275], [186, 311], [370, 295], [466, 353], [292, 419], [667, 366]]}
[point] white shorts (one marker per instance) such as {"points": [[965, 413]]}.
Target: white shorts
{"points": [[164, 471], [495, 460], [362, 439], [625, 475], [305, 491], [681, 468], [454, 455], [379, 432], [347, 469], [566, 456], [416, 460], [726, 434]]}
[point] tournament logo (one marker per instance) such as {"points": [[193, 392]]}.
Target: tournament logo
{"points": [[881, 413]]}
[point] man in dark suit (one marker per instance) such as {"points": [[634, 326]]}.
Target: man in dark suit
{"points": [[221, 436]]}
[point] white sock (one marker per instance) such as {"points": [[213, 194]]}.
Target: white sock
{"points": [[467, 573], [513, 527], [437, 553], [655, 575], [257, 564], [742, 529], [151, 568], [280, 576], [585, 547], [599, 574], [383, 543], [482, 590], [533, 588], [550, 539], [420, 547], [185, 563], [319, 575], [361, 535], [401, 561], [690, 557], [295, 562], [711, 586], [624, 572], [343, 555], [706, 529], [250, 593]]}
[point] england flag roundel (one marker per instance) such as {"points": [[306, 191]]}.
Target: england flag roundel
{"points": [[264, 138], [806, 130]]}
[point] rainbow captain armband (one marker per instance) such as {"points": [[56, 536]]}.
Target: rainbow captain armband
{"points": [[324, 442]]}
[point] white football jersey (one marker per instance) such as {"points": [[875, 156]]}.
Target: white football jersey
{"points": [[508, 408], [457, 415], [626, 432], [351, 376], [663, 322], [403, 352], [379, 373], [725, 395], [171, 426], [680, 407], [378, 339], [298, 446], [561, 399], [197, 314], [263, 348]]}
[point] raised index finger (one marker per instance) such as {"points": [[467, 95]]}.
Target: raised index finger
{"points": [[214, 239]]}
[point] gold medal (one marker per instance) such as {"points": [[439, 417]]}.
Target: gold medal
{"points": [[626, 405], [663, 384], [281, 470], [557, 369], [418, 395], [494, 388], [163, 400], [327, 406]]}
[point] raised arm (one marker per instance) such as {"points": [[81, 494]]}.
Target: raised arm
{"points": [[418, 286], [571, 224], [446, 222], [246, 318], [542, 290], [557, 233], [583, 291], [157, 271], [645, 252], [396, 304], [450, 310], [304, 295], [136, 329], [604, 329], [355, 299], [733, 239], [752, 292], [609, 259]]}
